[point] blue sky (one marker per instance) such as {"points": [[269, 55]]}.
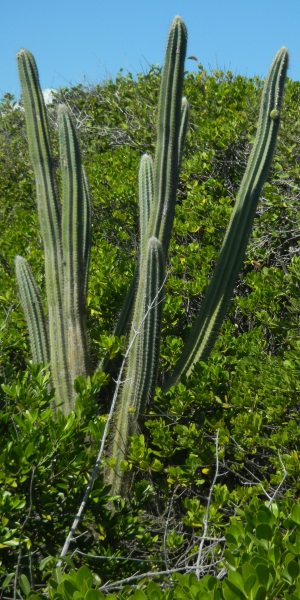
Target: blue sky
{"points": [[90, 40]]}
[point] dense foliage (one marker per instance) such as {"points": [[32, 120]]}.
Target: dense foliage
{"points": [[214, 472]]}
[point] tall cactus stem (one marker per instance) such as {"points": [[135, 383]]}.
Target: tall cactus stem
{"points": [[145, 202], [167, 148], [87, 230], [184, 122], [206, 327], [75, 243], [33, 311], [50, 219], [145, 194], [141, 371]]}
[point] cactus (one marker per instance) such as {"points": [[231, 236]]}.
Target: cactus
{"points": [[207, 325], [171, 134], [170, 129], [66, 236], [66, 233], [142, 361], [33, 310], [157, 197]]}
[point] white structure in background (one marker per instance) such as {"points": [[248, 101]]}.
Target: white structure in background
{"points": [[49, 95]]}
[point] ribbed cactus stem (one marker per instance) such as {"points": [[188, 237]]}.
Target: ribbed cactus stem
{"points": [[49, 216], [66, 234], [166, 161], [147, 311], [145, 194], [184, 122], [33, 311], [158, 183], [75, 241], [87, 231], [206, 327], [145, 179], [142, 365]]}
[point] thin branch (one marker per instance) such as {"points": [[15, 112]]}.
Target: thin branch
{"points": [[21, 531], [199, 563], [151, 574], [166, 527], [272, 498], [115, 557]]}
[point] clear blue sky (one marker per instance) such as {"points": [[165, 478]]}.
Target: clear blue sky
{"points": [[88, 41]]}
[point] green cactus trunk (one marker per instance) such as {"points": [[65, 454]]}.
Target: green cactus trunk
{"points": [[33, 310], [157, 197], [142, 364], [157, 207], [74, 220], [207, 325], [66, 236]]}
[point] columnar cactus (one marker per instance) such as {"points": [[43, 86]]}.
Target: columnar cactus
{"points": [[34, 313], [66, 238], [157, 197], [66, 232], [207, 325], [158, 201]]}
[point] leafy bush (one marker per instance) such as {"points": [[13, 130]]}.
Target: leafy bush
{"points": [[244, 403]]}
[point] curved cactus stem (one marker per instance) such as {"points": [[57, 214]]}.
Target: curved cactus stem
{"points": [[142, 362], [206, 327], [167, 148], [75, 244], [33, 311]]}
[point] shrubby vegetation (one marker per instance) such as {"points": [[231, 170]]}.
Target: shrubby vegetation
{"points": [[214, 471]]}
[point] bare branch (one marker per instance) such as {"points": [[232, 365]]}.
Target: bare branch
{"points": [[199, 563]]}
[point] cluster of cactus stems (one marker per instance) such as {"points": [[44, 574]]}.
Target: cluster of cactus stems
{"points": [[60, 338], [66, 231]]}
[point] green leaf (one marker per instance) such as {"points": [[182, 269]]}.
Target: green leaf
{"points": [[231, 592], [264, 515], [295, 515], [250, 583], [7, 580], [236, 578], [153, 591], [264, 532], [261, 593], [24, 585], [293, 569], [262, 573], [235, 533], [67, 588], [139, 595], [84, 579], [94, 595]]}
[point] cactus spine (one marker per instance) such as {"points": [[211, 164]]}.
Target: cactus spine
{"points": [[65, 233]]}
